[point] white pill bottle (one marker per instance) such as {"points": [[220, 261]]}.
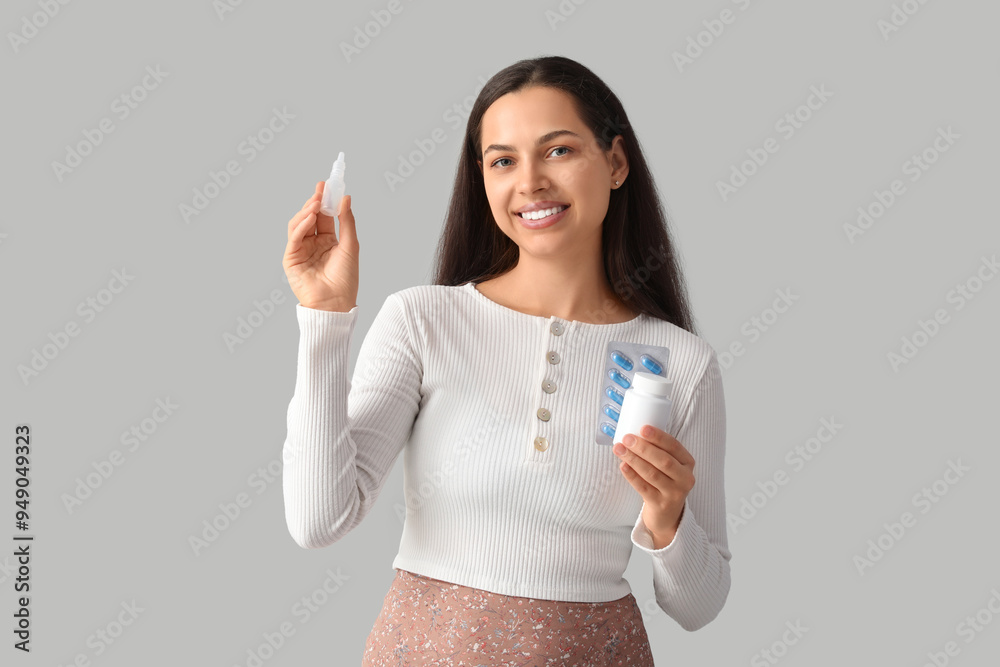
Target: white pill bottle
{"points": [[647, 401]]}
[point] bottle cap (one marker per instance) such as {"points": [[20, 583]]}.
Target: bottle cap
{"points": [[338, 166], [654, 384]]}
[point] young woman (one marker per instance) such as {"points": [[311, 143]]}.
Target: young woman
{"points": [[518, 525]]}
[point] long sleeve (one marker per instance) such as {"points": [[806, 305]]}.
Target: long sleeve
{"points": [[691, 575], [344, 436]]}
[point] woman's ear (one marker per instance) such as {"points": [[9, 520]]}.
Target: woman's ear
{"points": [[619, 160]]}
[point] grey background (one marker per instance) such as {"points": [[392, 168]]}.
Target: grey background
{"points": [[163, 335]]}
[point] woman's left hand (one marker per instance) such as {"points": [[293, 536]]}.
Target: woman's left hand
{"points": [[662, 471]]}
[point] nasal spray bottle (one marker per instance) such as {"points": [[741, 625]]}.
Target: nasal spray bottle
{"points": [[334, 188], [647, 401]]}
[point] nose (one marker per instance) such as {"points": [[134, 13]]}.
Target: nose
{"points": [[532, 176]]}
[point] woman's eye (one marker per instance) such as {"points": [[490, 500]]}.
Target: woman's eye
{"points": [[557, 148]]}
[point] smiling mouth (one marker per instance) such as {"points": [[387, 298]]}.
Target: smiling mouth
{"points": [[542, 214]]}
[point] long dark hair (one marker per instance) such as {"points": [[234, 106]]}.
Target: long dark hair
{"points": [[639, 258]]}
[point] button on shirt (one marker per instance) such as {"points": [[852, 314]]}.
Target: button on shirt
{"points": [[497, 412]]}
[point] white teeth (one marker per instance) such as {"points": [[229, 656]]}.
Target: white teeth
{"points": [[538, 215]]}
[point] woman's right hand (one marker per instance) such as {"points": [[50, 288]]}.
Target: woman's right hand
{"points": [[322, 272]]}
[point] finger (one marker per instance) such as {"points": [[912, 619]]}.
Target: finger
{"points": [[306, 226], [636, 458], [306, 211], [325, 224], [645, 489], [317, 195], [668, 443], [306, 207], [348, 231]]}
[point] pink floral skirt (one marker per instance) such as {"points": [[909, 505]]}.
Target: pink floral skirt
{"points": [[427, 621]]}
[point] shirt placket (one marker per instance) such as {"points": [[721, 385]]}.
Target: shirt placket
{"points": [[543, 444]]}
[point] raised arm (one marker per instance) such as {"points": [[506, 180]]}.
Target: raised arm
{"points": [[344, 436]]}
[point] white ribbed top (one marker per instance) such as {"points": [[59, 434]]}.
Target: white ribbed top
{"points": [[455, 381]]}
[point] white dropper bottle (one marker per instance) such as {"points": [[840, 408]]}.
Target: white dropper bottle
{"points": [[334, 188]]}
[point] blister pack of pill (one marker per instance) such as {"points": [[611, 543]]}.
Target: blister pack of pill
{"points": [[621, 362]]}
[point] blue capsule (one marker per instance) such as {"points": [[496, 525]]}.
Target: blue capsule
{"points": [[649, 363], [614, 395], [608, 429], [611, 412], [621, 360], [619, 378]]}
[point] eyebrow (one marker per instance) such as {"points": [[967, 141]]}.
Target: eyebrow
{"points": [[541, 140]]}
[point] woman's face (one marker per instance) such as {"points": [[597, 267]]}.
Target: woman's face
{"points": [[538, 150]]}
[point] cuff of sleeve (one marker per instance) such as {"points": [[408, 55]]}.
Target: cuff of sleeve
{"points": [[642, 538], [317, 324]]}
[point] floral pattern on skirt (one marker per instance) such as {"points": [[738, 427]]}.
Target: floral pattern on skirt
{"points": [[427, 621]]}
